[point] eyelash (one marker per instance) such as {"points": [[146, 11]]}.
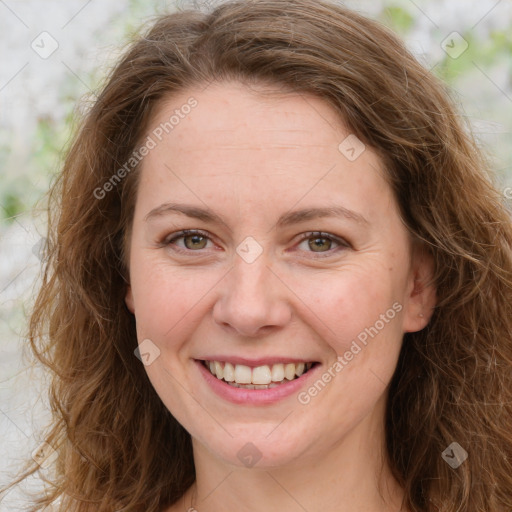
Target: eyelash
{"points": [[342, 244]]}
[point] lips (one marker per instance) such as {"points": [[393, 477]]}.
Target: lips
{"points": [[255, 394]]}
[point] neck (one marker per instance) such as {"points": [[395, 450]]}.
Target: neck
{"points": [[351, 475]]}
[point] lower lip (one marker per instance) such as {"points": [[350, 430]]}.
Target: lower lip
{"points": [[255, 396]]}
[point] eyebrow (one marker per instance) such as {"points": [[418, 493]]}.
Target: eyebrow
{"points": [[287, 219]]}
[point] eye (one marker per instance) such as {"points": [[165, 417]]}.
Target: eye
{"points": [[191, 240], [322, 243]]}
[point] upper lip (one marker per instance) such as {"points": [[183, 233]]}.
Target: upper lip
{"points": [[255, 362]]}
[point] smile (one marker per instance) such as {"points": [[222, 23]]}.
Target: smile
{"points": [[258, 377]]}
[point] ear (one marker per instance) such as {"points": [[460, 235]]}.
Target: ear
{"points": [[128, 299], [421, 291]]}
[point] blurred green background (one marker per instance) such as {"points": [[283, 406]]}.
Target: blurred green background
{"points": [[55, 55], [39, 103]]}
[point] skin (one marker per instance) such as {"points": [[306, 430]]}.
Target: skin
{"points": [[250, 159]]}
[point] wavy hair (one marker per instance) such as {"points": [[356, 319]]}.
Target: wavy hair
{"points": [[118, 447]]}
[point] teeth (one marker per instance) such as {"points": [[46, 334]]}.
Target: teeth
{"points": [[289, 371], [253, 386], [219, 372], [243, 374], [277, 372], [229, 372], [260, 377]]}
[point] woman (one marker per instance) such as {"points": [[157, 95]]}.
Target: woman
{"points": [[278, 279]]}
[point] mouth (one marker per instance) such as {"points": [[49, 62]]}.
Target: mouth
{"points": [[258, 377]]}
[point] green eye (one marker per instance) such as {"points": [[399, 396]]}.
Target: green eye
{"points": [[189, 241], [195, 241], [319, 244], [323, 244]]}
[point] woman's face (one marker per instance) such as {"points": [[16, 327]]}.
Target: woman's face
{"points": [[295, 255]]}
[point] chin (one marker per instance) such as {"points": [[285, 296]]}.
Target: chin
{"points": [[256, 446]]}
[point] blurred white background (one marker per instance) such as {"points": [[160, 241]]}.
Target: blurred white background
{"points": [[54, 56]]}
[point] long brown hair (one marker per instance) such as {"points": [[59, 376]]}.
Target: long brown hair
{"points": [[119, 447]]}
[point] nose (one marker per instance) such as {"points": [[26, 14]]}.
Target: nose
{"points": [[252, 300]]}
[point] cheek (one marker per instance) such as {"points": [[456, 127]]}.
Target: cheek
{"points": [[343, 303], [168, 299]]}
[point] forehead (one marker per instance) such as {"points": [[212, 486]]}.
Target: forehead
{"points": [[230, 113], [254, 143]]}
